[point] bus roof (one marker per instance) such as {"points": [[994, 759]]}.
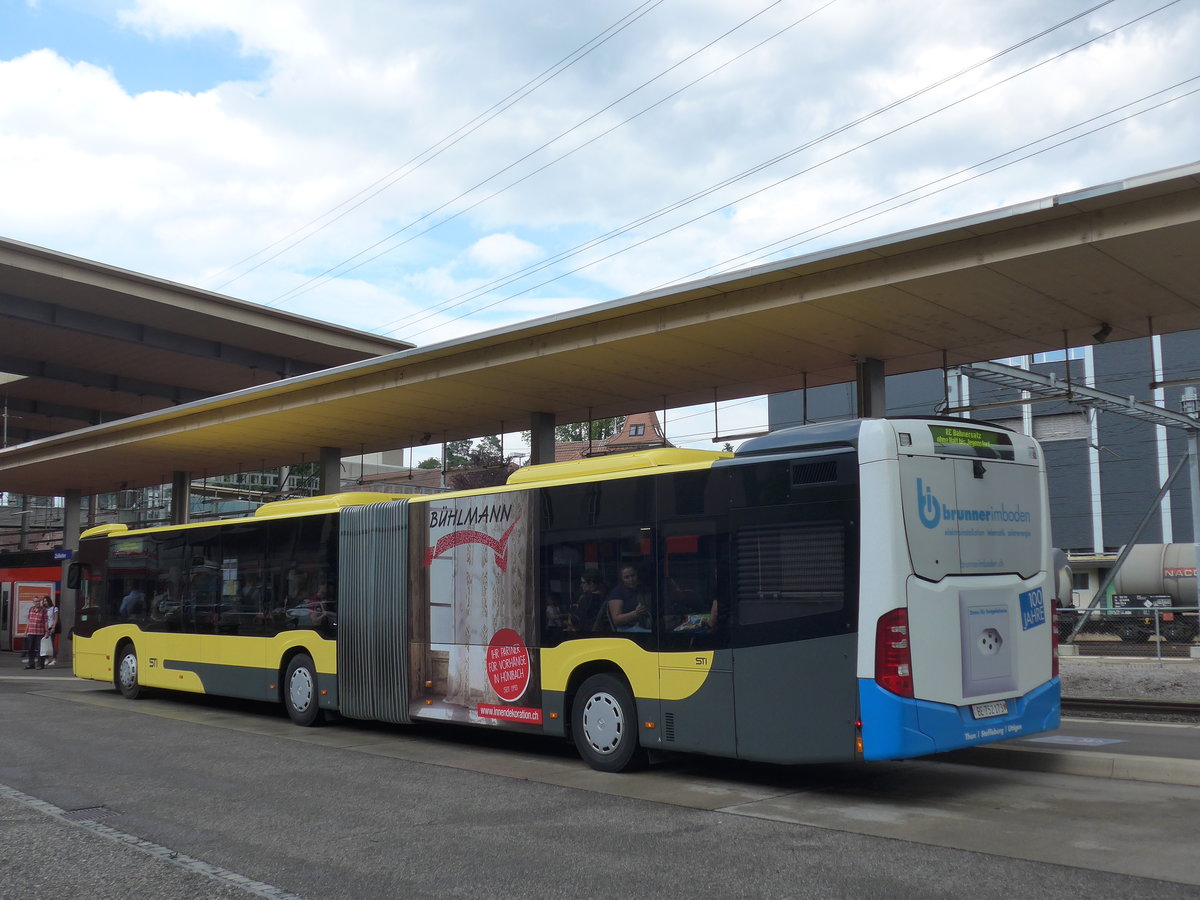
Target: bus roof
{"points": [[300, 506], [641, 462], [613, 464]]}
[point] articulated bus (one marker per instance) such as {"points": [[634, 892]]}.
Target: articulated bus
{"points": [[864, 590]]}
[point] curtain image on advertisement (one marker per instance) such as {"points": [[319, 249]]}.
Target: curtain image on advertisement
{"points": [[477, 567]]}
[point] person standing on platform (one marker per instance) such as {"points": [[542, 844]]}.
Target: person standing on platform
{"points": [[35, 630], [51, 630]]}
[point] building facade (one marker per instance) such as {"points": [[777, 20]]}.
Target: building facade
{"points": [[1105, 470]]}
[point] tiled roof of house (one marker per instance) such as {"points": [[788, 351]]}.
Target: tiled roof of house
{"points": [[642, 431], [403, 480]]}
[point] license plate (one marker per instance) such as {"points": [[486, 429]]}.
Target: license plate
{"points": [[987, 710]]}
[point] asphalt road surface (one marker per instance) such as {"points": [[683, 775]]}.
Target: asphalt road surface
{"points": [[194, 797]]}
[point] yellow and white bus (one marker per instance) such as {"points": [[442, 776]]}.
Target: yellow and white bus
{"points": [[859, 590]]}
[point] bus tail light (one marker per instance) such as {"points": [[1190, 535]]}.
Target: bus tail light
{"points": [[893, 658], [1054, 639]]}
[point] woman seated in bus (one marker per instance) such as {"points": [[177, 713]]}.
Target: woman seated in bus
{"points": [[627, 610]]}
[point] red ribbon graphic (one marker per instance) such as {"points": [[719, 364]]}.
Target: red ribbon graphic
{"points": [[499, 545]]}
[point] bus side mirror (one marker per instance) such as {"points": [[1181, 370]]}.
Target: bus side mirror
{"points": [[74, 575]]}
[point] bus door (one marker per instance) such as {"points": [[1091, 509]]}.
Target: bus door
{"points": [[979, 629], [695, 665], [5, 618], [794, 632]]}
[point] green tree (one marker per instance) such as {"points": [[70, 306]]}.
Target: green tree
{"points": [[578, 431], [458, 454], [489, 447], [484, 466], [432, 463]]}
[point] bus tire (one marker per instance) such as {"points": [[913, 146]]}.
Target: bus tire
{"points": [[604, 725], [126, 674], [300, 690]]}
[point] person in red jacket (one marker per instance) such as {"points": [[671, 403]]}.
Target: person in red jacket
{"points": [[35, 630]]}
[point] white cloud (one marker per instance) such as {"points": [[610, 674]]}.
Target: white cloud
{"points": [[502, 251]]}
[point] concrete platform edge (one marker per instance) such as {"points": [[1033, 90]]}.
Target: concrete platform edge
{"points": [[1158, 769]]}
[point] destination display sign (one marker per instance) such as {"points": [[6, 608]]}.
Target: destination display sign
{"points": [[964, 440]]}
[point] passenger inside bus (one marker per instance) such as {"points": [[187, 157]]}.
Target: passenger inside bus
{"points": [[591, 598], [133, 603], [627, 607]]}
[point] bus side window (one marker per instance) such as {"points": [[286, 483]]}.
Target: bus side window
{"points": [[597, 528], [696, 603], [790, 570], [165, 603]]}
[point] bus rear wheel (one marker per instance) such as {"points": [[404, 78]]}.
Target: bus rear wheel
{"points": [[127, 673], [300, 690], [604, 725]]}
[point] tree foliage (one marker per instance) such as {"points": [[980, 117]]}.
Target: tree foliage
{"points": [[601, 430], [458, 454], [476, 465]]}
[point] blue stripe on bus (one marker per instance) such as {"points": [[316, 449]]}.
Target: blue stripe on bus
{"points": [[897, 727]]}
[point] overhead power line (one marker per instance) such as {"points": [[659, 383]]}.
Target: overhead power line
{"points": [[345, 266], [547, 262], [735, 263], [401, 172], [825, 229]]}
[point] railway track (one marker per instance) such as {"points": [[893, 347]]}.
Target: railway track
{"points": [[1104, 707]]}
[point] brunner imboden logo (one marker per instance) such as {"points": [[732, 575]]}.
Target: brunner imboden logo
{"points": [[928, 505], [933, 512]]}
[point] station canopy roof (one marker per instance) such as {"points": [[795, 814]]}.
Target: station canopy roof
{"points": [[85, 344], [1037, 276]]}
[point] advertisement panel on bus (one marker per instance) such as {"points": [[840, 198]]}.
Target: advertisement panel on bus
{"points": [[473, 581]]}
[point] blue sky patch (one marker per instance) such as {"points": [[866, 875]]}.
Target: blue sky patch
{"points": [[139, 63]]}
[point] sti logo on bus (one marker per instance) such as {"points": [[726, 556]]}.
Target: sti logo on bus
{"points": [[928, 506], [1033, 609]]}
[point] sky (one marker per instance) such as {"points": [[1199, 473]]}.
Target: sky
{"points": [[430, 170]]}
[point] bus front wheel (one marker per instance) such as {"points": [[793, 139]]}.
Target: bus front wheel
{"points": [[300, 690], [604, 725], [127, 673]]}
